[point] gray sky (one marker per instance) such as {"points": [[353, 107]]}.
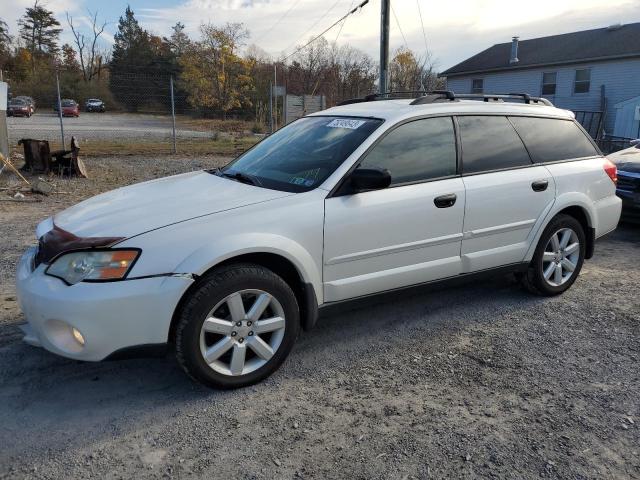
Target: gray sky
{"points": [[455, 29]]}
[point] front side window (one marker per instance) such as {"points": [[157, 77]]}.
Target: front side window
{"points": [[416, 151], [490, 143], [550, 139], [549, 83], [477, 85], [583, 81], [301, 156]]}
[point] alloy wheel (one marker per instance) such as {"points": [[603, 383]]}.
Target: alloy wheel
{"points": [[242, 332], [560, 257]]}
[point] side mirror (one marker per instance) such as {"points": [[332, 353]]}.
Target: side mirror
{"points": [[363, 179]]}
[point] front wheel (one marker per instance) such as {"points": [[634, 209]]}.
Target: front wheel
{"points": [[237, 327], [558, 258]]}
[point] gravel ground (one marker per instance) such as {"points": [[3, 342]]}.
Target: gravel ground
{"points": [[478, 381]]}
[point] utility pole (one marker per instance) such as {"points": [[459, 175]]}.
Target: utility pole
{"points": [[385, 13], [173, 114]]}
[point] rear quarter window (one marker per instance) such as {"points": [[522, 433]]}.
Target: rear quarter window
{"points": [[552, 139]]}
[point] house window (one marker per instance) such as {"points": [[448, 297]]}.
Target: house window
{"points": [[549, 83], [583, 81], [477, 85]]}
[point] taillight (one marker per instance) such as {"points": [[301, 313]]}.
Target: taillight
{"points": [[611, 170]]}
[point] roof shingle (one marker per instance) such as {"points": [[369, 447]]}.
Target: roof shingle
{"points": [[600, 43]]}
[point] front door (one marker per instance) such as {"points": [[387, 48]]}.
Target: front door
{"points": [[406, 234]]}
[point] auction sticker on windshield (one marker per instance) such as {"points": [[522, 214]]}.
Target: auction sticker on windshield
{"points": [[345, 123]]}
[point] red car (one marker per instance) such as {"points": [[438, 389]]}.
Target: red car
{"points": [[18, 108], [69, 108]]}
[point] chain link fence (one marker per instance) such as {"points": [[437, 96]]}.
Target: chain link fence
{"points": [[141, 111]]}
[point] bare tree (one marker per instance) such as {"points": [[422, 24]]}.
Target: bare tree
{"points": [[90, 58]]}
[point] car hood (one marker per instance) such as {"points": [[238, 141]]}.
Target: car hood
{"points": [[136, 209], [627, 160]]}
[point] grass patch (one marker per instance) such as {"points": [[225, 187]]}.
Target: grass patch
{"points": [[223, 146]]}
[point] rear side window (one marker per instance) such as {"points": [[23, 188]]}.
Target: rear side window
{"points": [[551, 139], [416, 151], [490, 143]]}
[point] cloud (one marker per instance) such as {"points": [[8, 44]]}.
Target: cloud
{"points": [[475, 25], [455, 29]]}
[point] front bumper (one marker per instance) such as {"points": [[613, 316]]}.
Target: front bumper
{"points": [[110, 316]]}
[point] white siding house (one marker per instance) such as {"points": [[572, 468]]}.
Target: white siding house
{"points": [[593, 70]]}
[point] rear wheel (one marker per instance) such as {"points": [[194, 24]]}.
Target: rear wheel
{"points": [[558, 258], [237, 327]]}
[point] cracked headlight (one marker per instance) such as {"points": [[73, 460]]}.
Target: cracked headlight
{"points": [[93, 265]]}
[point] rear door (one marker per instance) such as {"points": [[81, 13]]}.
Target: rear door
{"points": [[406, 234], [507, 195]]}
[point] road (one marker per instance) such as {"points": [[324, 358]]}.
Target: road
{"points": [[98, 126]]}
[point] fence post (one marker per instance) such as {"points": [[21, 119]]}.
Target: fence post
{"points": [[60, 108], [173, 115], [270, 107]]}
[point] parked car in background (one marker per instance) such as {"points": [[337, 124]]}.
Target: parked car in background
{"points": [[70, 108], [18, 108], [230, 264], [30, 101], [628, 163], [94, 105]]}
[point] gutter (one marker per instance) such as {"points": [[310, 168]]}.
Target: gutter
{"points": [[448, 74]]}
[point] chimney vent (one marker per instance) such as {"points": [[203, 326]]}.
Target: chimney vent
{"points": [[514, 50]]}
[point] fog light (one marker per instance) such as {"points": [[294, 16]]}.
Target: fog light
{"points": [[77, 335]]}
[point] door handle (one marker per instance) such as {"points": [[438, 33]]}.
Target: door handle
{"points": [[540, 185], [445, 201]]}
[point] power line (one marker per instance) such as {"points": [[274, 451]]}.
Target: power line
{"points": [[424, 34], [342, 25], [350, 12], [314, 24], [399, 27], [282, 17]]}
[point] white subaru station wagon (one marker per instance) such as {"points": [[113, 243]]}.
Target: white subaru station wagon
{"points": [[378, 194]]}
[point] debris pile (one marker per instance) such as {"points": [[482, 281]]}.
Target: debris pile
{"points": [[38, 158]]}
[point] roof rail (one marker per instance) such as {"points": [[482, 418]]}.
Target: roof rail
{"points": [[384, 96], [436, 96], [487, 97]]}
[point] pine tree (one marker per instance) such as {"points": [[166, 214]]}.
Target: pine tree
{"points": [[40, 30], [5, 42]]}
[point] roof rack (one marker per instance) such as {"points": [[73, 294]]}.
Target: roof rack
{"points": [[438, 96], [385, 96]]}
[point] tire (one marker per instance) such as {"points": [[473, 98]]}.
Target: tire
{"points": [[215, 299], [543, 276]]}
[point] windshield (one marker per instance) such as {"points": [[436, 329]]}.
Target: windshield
{"points": [[300, 156], [17, 101], [68, 103]]}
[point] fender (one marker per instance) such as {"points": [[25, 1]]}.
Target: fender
{"points": [[564, 200], [212, 254]]}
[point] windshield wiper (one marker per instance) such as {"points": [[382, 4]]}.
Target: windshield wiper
{"points": [[240, 177]]}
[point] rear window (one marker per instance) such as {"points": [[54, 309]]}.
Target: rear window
{"points": [[68, 103], [490, 143], [551, 139]]}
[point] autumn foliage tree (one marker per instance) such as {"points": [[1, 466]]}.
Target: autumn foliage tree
{"points": [[214, 76]]}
